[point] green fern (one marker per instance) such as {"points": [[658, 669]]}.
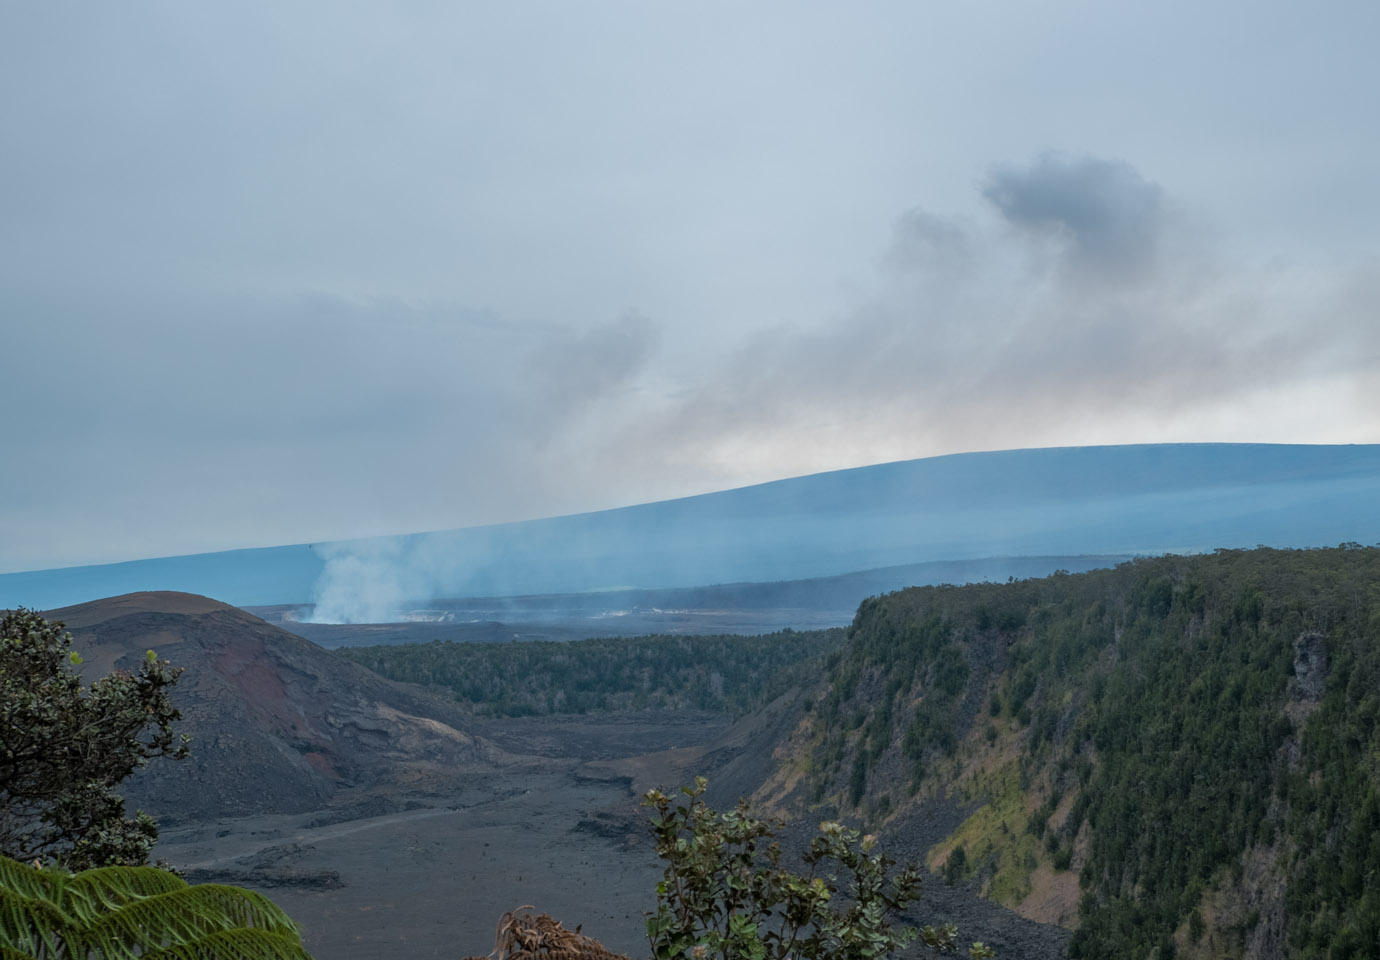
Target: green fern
{"points": [[136, 913]]}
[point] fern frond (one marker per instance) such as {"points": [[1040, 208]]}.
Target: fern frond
{"points": [[10, 953], [180, 916], [22, 878], [33, 926], [94, 892], [235, 945], [136, 913]]}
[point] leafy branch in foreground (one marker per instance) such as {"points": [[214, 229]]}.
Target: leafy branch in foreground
{"points": [[64, 747], [122, 913], [725, 894]]}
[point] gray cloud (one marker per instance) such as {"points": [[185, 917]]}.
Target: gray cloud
{"points": [[1109, 217], [406, 415], [926, 245], [280, 273], [972, 337], [577, 366]]}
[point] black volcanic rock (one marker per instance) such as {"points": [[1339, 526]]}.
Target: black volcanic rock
{"points": [[278, 725]]}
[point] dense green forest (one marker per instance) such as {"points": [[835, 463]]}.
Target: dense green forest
{"points": [[726, 673], [1188, 735], [1194, 742]]}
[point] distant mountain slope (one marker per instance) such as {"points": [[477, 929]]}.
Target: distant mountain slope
{"points": [[1180, 756], [244, 577], [1076, 500], [277, 724]]}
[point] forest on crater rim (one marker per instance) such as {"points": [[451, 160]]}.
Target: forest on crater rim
{"points": [[1194, 741], [1197, 739]]}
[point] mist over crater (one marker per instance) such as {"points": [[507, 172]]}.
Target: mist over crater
{"points": [[1063, 501]]}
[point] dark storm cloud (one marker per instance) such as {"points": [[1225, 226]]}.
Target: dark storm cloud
{"points": [[1108, 215]]}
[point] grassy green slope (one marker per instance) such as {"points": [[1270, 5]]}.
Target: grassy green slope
{"points": [[1196, 740]]}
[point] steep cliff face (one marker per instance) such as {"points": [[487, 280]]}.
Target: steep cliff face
{"points": [[278, 725], [1177, 756]]}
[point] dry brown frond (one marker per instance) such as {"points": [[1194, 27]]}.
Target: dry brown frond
{"points": [[524, 936]]}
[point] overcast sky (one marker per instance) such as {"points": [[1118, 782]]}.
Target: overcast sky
{"points": [[285, 272]]}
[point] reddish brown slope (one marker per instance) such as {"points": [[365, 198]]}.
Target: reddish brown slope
{"points": [[278, 724]]}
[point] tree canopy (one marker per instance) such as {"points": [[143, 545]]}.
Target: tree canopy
{"points": [[1181, 733], [65, 747], [733, 674], [726, 896]]}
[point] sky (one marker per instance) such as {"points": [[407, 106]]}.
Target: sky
{"points": [[276, 273]]}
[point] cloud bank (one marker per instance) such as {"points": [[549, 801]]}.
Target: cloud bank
{"points": [[1083, 306]]}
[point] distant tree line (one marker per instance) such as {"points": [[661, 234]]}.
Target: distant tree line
{"points": [[732, 674]]}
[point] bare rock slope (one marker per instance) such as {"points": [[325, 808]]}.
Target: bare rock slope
{"points": [[278, 725]]}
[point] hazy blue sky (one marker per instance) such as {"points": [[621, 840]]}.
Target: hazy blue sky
{"points": [[279, 272]]}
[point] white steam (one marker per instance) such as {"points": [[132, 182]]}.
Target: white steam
{"points": [[365, 581]]}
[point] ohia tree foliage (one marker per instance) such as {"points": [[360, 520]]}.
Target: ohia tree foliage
{"points": [[65, 746]]}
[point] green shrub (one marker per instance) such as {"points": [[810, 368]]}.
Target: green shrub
{"points": [[65, 746], [725, 894]]}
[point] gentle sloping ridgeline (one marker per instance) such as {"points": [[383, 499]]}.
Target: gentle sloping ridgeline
{"points": [[1195, 739], [727, 673], [1134, 499]]}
